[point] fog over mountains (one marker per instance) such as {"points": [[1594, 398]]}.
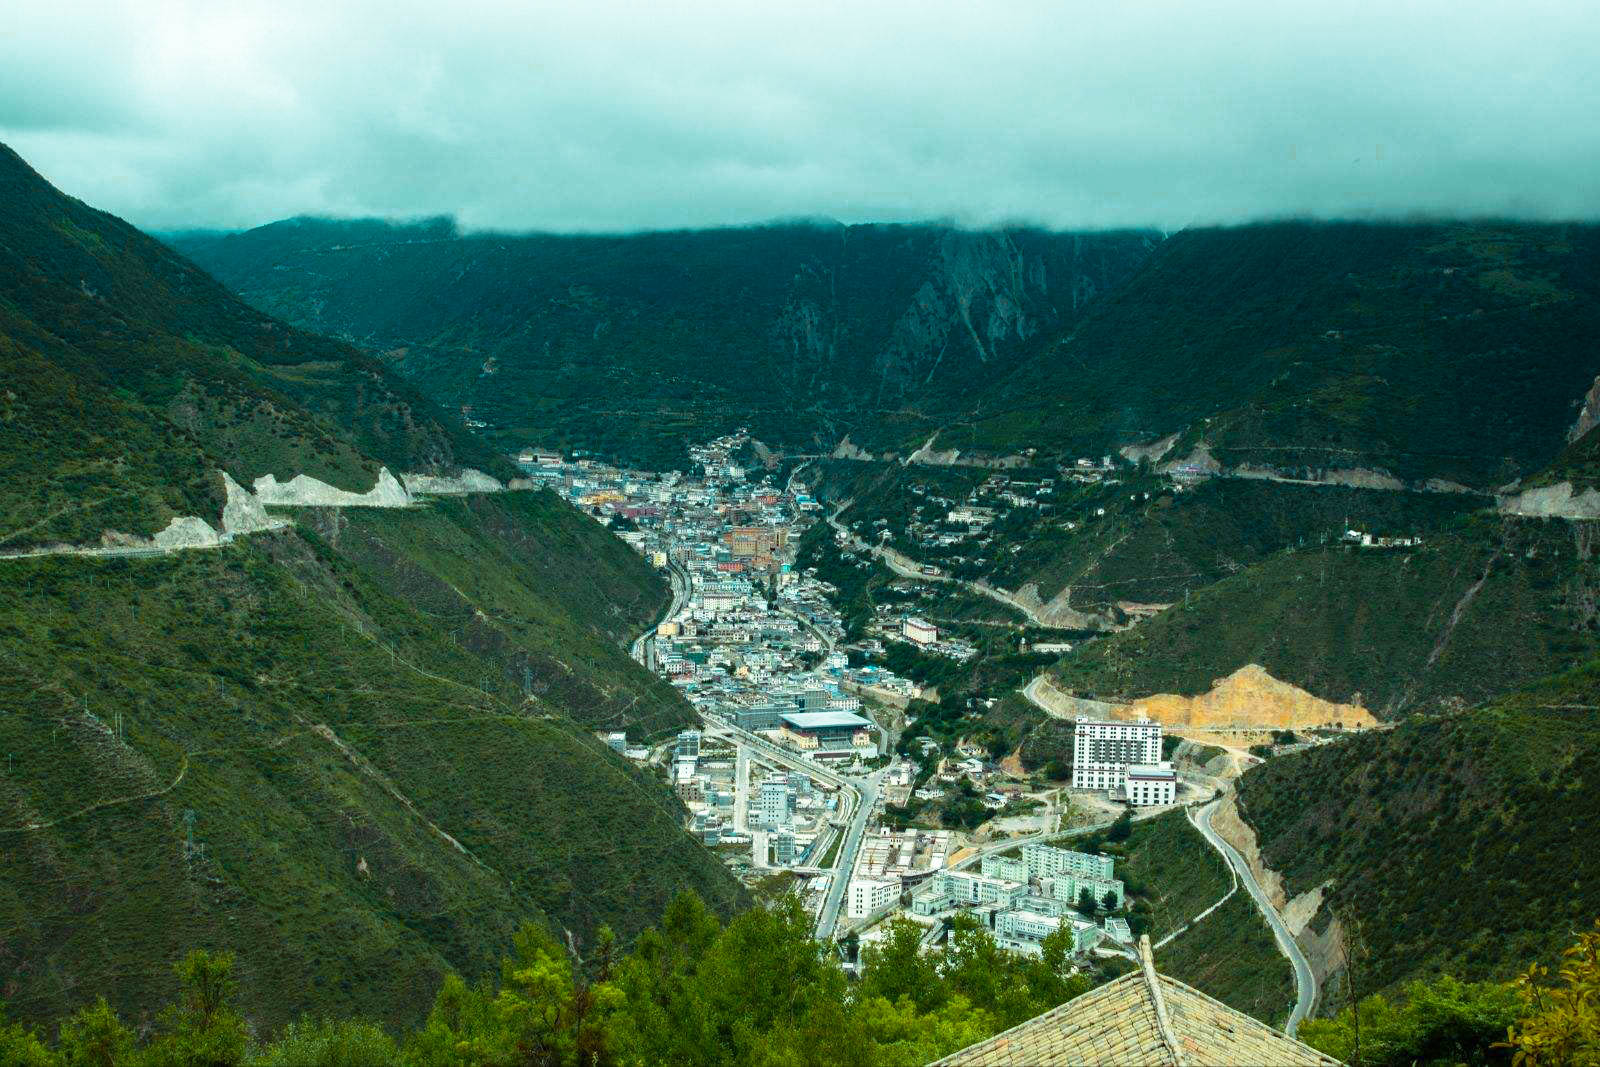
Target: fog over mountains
{"points": [[606, 117]]}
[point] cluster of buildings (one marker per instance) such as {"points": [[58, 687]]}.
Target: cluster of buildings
{"points": [[891, 623], [890, 863], [1029, 896], [750, 640], [1363, 539], [776, 817]]}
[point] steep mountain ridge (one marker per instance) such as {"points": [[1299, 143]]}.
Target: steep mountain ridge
{"points": [[1458, 842], [634, 345], [1487, 605], [355, 747], [132, 378], [1416, 354]]}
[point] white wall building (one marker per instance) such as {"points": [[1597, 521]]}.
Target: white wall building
{"points": [[688, 745], [919, 631], [867, 895], [1048, 861], [1102, 751], [773, 804], [1148, 784]]}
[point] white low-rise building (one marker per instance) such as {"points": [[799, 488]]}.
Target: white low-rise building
{"points": [[1149, 784], [867, 895]]}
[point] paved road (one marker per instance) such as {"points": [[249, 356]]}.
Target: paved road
{"points": [[866, 796], [860, 793], [1304, 981], [644, 646], [906, 567]]}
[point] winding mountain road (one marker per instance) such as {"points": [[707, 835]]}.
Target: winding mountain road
{"points": [[1305, 981], [906, 567]]}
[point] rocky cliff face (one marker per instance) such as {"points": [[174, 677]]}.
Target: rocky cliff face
{"points": [[1557, 501]]}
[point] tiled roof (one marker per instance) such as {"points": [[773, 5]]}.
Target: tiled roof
{"points": [[1141, 1018]]}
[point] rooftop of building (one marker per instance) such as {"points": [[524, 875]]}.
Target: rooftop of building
{"points": [[822, 720], [1141, 1018]]}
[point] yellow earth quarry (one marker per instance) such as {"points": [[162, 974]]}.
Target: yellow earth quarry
{"points": [[1249, 698]]}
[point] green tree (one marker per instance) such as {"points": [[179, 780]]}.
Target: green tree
{"points": [[1119, 830], [541, 1015], [1086, 901], [310, 1042], [22, 1046], [202, 1029], [896, 968], [899, 1033], [95, 1037], [1561, 1023], [1109, 901], [1441, 1022]]}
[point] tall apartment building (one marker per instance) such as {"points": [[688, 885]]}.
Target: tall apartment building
{"points": [[773, 804], [1102, 751], [783, 848], [688, 745]]}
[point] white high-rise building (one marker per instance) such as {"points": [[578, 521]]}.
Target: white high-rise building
{"points": [[688, 746], [1102, 751], [773, 804]]}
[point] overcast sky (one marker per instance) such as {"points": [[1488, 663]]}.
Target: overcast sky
{"points": [[595, 115]]}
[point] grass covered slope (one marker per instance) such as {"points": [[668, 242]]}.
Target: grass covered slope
{"points": [[1132, 537], [634, 345], [1172, 875], [530, 584], [1462, 843], [373, 797], [1492, 604], [1449, 350], [130, 376]]}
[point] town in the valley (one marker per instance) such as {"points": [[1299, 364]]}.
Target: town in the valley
{"points": [[794, 766]]}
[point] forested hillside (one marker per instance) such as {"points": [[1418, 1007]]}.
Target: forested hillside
{"points": [[131, 377], [635, 345], [1482, 606], [1461, 843], [1455, 351], [359, 750]]}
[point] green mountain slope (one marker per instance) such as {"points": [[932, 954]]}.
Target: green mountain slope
{"points": [[130, 376], [327, 734], [1485, 606], [358, 751], [1130, 538], [1453, 350], [636, 344], [1460, 842]]}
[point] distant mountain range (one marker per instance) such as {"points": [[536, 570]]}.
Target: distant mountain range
{"points": [[638, 345], [1450, 354]]}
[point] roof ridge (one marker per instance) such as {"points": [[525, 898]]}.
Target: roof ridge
{"points": [[1147, 968], [1186, 988]]}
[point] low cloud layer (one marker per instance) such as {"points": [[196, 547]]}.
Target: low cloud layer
{"points": [[616, 116]]}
